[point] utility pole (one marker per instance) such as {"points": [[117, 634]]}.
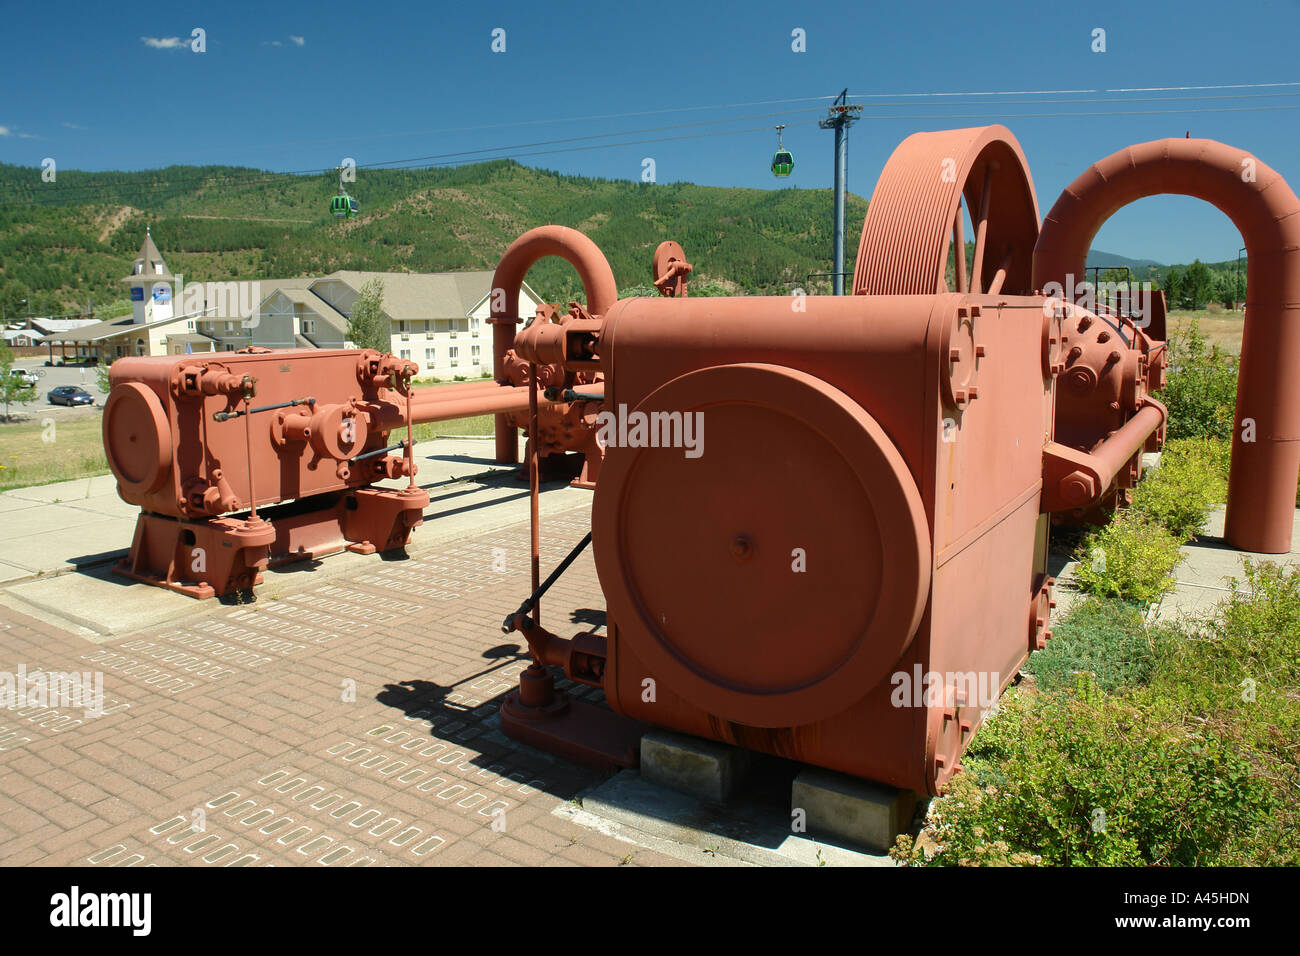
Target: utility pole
{"points": [[1236, 285], [840, 117]]}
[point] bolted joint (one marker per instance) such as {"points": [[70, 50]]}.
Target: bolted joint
{"points": [[1078, 488]]}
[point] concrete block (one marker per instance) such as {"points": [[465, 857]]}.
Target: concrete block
{"points": [[858, 811], [702, 768]]}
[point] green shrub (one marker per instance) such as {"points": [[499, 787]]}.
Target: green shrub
{"points": [[1110, 640], [1082, 778], [1251, 642], [1132, 559], [1191, 480], [1201, 393]]}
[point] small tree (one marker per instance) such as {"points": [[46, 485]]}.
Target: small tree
{"points": [[101, 374], [12, 388], [1198, 284], [1174, 288], [368, 326]]}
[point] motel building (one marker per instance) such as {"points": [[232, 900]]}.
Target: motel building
{"points": [[438, 320], [152, 328]]}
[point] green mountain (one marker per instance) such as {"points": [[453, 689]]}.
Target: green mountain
{"points": [[65, 242], [1109, 260]]}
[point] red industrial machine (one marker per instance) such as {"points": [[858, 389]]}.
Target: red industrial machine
{"points": [[567, 427], [846, 562], [820, 523], [197, 441]]}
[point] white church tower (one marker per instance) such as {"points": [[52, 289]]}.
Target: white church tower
{"points": [[151, 285]]}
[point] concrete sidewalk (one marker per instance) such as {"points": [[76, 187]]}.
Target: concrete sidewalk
{"points": [[1202, 577], [60, 541]]}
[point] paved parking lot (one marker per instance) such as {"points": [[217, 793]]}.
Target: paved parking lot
{"points": [[341, 722], [53, 376]]}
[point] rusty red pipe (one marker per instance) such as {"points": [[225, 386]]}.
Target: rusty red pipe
{"points": [[597, 282], [426, 406], [1118, 450], [1262, 485], [1077, 479], [431, 408]]}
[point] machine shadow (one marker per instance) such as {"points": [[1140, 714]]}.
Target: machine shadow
{"points": [[421, 699]]}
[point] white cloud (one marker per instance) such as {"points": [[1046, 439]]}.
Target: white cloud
{"points": [[165, 43], [73, 126], [4, 131], [298, 41], [10, 131]]}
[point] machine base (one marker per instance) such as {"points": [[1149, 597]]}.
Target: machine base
{"points": [[216, 557], [575, 730]]}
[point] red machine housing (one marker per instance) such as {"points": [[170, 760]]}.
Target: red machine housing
{"points": [[852, 564], [868, 503], [191, 440]]}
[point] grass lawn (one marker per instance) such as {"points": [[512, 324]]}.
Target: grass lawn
{"points": [[1221, 328], [76, 451], [32, 454], [478, 425]]}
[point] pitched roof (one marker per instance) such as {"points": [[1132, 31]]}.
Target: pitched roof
{"points": [[59, 325], [296, 291], [230, 308], [146, 266], [424, 295], [108, 329]]}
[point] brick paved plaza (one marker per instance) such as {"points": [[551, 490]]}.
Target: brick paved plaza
{"points": [[231, 735]]}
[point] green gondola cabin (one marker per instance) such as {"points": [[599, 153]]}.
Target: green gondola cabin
{"points": [[344, 207]]}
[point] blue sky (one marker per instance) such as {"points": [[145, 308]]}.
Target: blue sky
{"points": [[392, 81]]}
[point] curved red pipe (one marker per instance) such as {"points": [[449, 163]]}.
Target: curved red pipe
{"points": [[1262, 486], [597, 281]]}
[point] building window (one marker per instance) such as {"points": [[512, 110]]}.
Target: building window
{"points": [[190, 325], [454, 354], [230, 327], [406, 354], [473, 354], [430, 357], [308, 326]]}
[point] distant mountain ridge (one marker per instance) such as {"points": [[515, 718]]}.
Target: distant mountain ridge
{"points": [[64, 243]]}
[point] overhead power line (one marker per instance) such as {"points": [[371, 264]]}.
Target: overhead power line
{"points": [[59, 195]]}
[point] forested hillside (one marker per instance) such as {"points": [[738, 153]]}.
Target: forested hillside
{"points": [[62, 243]]}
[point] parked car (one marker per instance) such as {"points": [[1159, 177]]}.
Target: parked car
{"points": [[70, 395], [24, 376]]}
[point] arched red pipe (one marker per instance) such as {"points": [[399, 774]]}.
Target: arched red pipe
{"points": [[597, 280], [1262, 487]]}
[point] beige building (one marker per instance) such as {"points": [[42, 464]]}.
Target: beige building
{"points": [[438, 320], [154, 327]]}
